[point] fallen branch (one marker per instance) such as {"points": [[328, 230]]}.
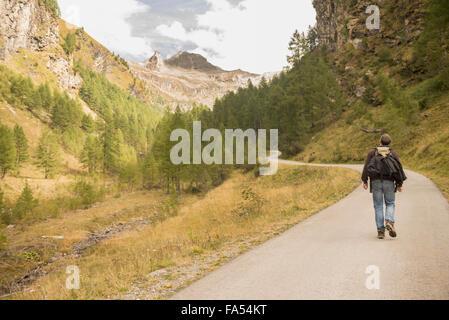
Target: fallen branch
{"points": [[423, 115], [372, 131]]}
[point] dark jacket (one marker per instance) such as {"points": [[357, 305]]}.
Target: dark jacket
{"points": [[371, 154]]}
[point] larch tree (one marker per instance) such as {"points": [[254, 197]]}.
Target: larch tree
{"points": [[7, 151], [48, 154], [26, 203], [21, 145]]}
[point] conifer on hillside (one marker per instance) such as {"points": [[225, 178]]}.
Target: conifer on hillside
{"points": [[26, 203], [7, 151], [48, 154], [21, 145]]}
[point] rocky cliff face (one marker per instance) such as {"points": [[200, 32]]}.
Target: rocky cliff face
{"points": [[343, 22], [25, 24], [327, 22]]}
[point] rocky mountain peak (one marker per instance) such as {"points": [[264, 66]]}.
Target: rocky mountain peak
{"points": [[192, 61], [155, 63]]}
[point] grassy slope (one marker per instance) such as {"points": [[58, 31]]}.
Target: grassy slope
{"points": [[423, 148], [14, 183], [203, 226]]}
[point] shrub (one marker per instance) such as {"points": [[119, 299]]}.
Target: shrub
{"points": [[69, 43], [385, 56], [87, 194], [251, 203], [400, 102], [437, 84], [31, 255], [131, 175]]}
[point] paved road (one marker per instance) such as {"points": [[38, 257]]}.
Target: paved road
{"points": [[327, 256]]}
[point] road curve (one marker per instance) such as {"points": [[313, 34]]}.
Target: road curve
{"points": [[327, 255]]}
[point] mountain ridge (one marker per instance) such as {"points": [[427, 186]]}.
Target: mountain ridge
{"points": [[189, 78]]}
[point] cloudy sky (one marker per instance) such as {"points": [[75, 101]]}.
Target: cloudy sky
{"points": [[252, 35]]}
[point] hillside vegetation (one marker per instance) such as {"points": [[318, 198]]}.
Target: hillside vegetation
{"points": [[406, 96], [167, 232], [88, 160], [332, 105]]}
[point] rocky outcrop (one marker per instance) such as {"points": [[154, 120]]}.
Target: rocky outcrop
{"points": [[26, 24], [155, 63], [326, 16], [343, 22], [63, 70]]}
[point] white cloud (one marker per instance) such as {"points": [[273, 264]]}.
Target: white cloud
{"points": [[253, 35], [106, 21]]}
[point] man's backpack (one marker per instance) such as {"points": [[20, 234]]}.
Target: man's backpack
{"points": [[384, 165]]}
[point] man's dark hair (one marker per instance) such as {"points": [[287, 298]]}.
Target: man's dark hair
{"points": [[385, 140]]}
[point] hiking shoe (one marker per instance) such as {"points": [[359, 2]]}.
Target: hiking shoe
{"points": [[380, 235], [391, 229]]}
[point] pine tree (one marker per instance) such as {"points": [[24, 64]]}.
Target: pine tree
{"points": [[21, 145], [87, 124], [92, 154], [48, 154], [7, 151], [26, 203], [298, 48], [431, 54], [111, 149], [149, 170], [66, 112], [45, 96], [5, 211]]}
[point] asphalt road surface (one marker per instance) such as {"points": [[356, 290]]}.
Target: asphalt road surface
{"points": [[335, 254]]}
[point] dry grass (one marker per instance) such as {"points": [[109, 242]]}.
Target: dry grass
{"points": [[202, 226], [74, 226], [33, 64]]}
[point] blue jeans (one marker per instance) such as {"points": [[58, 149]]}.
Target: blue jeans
{"points": [[383, 190]]}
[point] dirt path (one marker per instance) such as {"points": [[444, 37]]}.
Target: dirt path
{"points": [[328, 255]]}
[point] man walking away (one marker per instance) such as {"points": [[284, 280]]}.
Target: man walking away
{"points": [[386, 176]]}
